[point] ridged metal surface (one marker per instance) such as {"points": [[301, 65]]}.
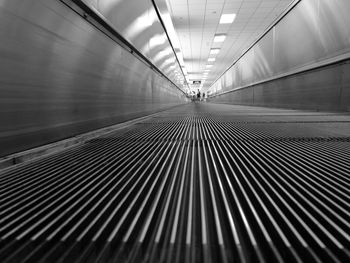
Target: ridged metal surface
{"points": [[200, 183]]}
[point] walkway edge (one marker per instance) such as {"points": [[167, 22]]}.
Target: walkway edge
{"points": [[30, 155]]}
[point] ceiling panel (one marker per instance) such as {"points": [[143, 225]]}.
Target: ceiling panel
{"points": [[197, 21]]}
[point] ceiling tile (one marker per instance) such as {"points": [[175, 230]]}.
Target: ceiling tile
{"points": [[197, 21]]}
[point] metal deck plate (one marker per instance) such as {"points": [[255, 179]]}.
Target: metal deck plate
{"points": [[198, 183]]}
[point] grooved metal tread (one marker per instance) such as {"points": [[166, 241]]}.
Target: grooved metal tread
{"points": [[197, 183]]}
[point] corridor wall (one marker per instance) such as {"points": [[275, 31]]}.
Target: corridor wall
{"points": [[61, 76], [302, 62]]}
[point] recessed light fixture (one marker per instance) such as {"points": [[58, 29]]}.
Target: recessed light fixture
{"points": [[207, 70], [214, 51], [227, 18], [219, 37], [209, 66], [211, 59]]}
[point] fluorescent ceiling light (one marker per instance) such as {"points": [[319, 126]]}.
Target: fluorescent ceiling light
{"points": [[227, 18], [211, 59], [219, 37], [209, 66], [214, 51]]}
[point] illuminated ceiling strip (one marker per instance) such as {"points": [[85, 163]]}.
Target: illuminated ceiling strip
{"points": [[227, 18], [219, 38], [214, 51]]}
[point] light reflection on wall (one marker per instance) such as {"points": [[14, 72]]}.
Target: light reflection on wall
{"points": [[163, 54], [313, 32], [167, 63], [157, 40], [141, 26], [154, 42]]}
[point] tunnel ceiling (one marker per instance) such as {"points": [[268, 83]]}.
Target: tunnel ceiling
{"points": [[198, 21]]}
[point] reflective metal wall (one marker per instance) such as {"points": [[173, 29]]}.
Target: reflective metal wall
{"points": [[324, 89], [60, 76], [137, 21], [312, 34]]}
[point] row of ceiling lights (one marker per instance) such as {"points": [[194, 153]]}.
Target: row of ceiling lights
{"points": [[218, 38]]}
